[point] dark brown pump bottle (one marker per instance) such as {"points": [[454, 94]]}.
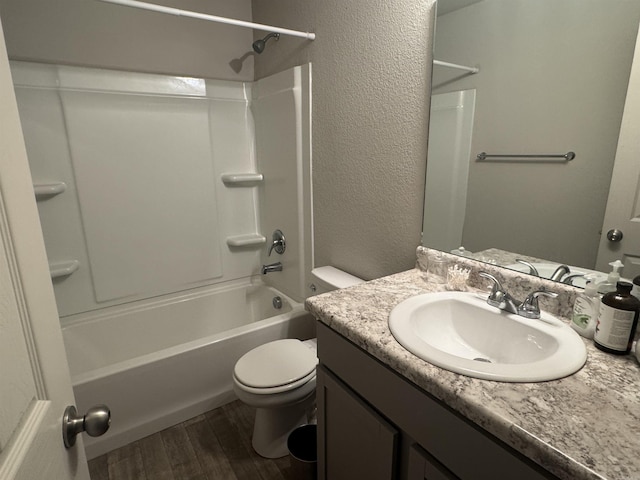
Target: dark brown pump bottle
{"points": [[617, 320]]}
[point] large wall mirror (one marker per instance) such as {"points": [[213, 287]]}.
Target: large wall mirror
{"points": [[552, 78]]}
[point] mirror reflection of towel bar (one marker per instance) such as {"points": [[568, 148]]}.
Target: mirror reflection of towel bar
{"points": [[566, 156]]}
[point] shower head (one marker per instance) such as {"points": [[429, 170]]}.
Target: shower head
{"points": [[258, 45]]}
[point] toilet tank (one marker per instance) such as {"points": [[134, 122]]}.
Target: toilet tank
{"points": [[330, 278]]}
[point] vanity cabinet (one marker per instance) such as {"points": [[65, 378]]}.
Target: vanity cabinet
{"points": [[374, 424]]}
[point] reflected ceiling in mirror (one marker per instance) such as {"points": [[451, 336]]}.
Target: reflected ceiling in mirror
{"points": [[552, 78]]}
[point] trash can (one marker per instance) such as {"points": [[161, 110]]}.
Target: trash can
{"points": [[303, 451]]}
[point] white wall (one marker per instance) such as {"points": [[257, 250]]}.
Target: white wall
{"points": [[370, 109], [552, 79], [94, 34]]}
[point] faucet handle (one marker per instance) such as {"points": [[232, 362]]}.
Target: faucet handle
{"points": [[559, 272], [532, 270], [496, 283], [496, 297], [278, 243], [530, 308], [568, 280]]}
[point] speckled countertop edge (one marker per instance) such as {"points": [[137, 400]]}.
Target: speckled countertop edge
{"points": [[584, 426]]}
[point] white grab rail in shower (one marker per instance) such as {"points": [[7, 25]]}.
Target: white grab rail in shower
{"points": [[211, 18]]}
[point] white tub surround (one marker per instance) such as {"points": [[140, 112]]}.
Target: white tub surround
{"points": [[281, 108], [132, 172], [577, 428]]}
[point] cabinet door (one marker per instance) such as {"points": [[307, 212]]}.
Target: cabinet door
{"points": [[423, 466], [353, 440]]}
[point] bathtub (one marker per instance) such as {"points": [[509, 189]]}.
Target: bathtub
{"points": [[159, 362]]}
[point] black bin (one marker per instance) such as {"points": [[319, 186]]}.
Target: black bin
{"points": [[303, 449]]}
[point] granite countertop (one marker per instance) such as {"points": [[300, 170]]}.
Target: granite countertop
{"points": [[584, 426]]}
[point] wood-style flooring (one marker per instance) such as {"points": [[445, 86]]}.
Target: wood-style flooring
{"points": [[212, 446]]}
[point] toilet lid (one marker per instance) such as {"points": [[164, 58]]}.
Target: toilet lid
{"points": [[275, 363]]}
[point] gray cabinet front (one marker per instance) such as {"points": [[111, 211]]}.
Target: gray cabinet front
{"points": [[375, 424], [354, 441]]}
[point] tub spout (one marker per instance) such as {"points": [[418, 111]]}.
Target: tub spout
{"points": [[272, 267]]}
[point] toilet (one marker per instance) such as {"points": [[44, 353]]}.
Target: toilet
{"points": [[279, 378]]}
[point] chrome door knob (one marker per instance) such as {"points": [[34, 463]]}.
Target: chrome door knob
{"points": [[95, 422], [614, 235]]}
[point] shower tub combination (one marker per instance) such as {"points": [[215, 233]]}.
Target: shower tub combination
{"points": [[158, 362], [155, 332]]}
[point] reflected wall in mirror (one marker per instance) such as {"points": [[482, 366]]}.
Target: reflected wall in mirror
{"points": [[552, 78]]}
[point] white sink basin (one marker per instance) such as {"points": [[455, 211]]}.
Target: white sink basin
{"points": [[459, 332]]}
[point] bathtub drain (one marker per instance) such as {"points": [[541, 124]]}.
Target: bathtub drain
{"points": [[277, 303]]}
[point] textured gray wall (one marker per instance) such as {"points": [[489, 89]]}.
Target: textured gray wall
{"points": [[95, 34], [371, 89], [553, 78]]}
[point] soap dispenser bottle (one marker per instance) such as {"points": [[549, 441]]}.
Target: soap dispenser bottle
{"points": [[617, 320], [609, 285], [585, 309]]}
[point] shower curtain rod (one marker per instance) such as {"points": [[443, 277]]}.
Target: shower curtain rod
{"points": [[455, 65], [211, 18]]}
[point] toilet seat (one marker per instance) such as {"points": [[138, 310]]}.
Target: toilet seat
{"points": [[275, 367]]}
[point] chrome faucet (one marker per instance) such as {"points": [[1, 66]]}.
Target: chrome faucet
{"points": [[272, 267], [498, 297]]}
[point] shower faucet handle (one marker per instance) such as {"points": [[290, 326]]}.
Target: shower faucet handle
{"points": [[278, 243]]}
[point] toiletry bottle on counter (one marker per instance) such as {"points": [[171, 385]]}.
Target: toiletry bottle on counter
{"points": [[609, 285], [586, 308], [617, 320], [636, 287]]}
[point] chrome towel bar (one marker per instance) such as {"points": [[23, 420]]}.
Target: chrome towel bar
{"points": [[566, 156]]}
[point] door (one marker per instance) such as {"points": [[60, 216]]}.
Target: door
{"points": [[623, 206], [35, 385]]}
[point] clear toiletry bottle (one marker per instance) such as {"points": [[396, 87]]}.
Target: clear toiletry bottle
{"points": [[609, 285], [617, 320], [585, 309]]}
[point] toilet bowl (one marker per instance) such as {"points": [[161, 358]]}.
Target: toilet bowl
{"points": [[279, 379]]}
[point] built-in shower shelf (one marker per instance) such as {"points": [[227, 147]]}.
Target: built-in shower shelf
{"points": [[242, 179], [44, 190], [248, 240], [63, 269]]}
